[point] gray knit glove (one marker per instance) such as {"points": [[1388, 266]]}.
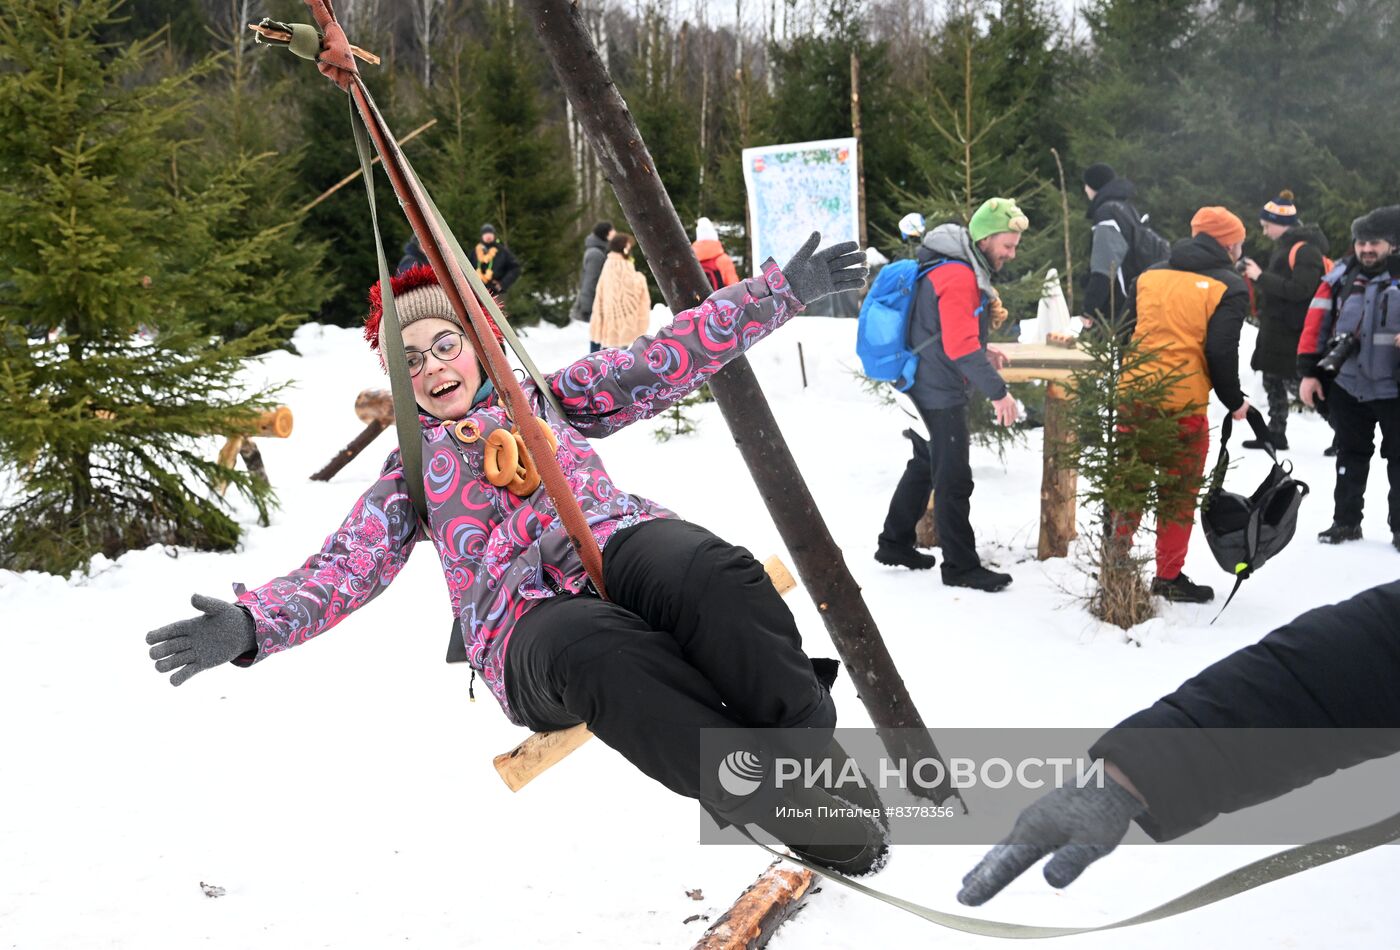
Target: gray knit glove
{"points": [[813, 276], [223, 632], [1079, 825]]}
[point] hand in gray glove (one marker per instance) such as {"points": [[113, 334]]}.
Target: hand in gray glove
{"points": [[223, 632], [1079, 825], [813, 276]]}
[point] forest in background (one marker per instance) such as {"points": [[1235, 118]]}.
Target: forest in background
{"points": [[1197, 101]]}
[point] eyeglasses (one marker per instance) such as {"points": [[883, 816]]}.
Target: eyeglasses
{"points": [[445, 348]]}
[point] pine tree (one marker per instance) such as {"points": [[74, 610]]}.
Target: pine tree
{"points": [[524, 160], [100, 428], [282, 274]]}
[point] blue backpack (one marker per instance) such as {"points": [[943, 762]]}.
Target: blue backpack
{"points": [[882, 330]]}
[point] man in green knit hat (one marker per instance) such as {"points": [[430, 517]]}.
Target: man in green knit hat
{"points": [[948, 327]]}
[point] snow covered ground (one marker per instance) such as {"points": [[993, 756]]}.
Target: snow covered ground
{"points": [[343, 795]]}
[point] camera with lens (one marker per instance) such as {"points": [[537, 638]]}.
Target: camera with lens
{"points": [[1340, 348]]}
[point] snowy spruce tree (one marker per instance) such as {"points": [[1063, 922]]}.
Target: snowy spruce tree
{"points": [[108, 262]]}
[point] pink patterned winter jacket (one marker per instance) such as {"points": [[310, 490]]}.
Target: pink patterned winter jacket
{"points": [[502, 554]]}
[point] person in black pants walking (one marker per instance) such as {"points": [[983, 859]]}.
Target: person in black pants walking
{"points": [[948, 328]]}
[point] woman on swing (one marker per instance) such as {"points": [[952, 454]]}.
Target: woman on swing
{"points": [[692, 635]]}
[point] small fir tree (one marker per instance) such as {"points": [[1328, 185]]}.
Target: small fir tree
{"points": [[1122, 434], [100, 427]]}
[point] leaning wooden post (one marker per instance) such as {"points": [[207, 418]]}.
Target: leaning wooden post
{"points": [[375, 407], [628, 165]]}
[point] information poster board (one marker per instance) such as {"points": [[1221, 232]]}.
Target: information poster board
{"points": [[796, 189]]}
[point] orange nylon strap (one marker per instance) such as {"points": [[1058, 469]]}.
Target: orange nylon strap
{"points": [[338, 64]]}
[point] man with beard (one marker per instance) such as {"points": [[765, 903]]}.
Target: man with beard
{"points": [[1287, 284], [1354, 319], [948, 327]]}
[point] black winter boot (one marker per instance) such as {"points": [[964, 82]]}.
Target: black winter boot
{"points": [[1395, 540], [900, 556], [1182, 590], [828, 831], [979, 578], [1340, 533]]}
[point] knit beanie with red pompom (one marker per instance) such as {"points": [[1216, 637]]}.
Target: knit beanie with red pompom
{"points": [[417, 296]]}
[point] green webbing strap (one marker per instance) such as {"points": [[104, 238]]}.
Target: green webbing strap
{"points": [[391, 344], [488, 302], [1275, 867]]}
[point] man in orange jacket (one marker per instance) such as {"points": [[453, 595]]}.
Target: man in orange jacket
{"points": [[1188, 310]]}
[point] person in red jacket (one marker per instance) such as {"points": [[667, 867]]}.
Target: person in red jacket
{"points": [[718, 266], [949, 324]]}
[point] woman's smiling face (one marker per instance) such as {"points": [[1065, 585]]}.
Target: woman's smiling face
{"points": [[442, 387]]}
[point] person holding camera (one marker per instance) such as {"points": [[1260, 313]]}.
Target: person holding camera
{"points": [[1349, 357]]}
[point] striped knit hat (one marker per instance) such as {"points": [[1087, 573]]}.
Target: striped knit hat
{"points": [[1281, 210]]}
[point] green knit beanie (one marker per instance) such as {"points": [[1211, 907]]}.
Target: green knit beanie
{"points": [[995, 216]]}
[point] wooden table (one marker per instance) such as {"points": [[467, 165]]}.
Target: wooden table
{"points": [[1058, 485]]}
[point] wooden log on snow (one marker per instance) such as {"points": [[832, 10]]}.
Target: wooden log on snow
{"points": [[543, 750], [751, 921], [375, 407]]}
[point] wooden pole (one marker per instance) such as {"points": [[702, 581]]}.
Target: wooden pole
{"points": [[356, 173], [1064, 210], [629, 167], [1058, 485], [375, 407], [346, 455]]}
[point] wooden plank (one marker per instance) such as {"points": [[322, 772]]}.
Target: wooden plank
{"points": [[537, 753], [1043, 356], [1040, 361], [751, 921]]}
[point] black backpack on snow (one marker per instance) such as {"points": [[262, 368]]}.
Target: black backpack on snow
{"points": [[1243, 533]]}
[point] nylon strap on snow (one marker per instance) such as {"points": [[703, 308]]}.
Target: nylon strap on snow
{"points": [[463, 288], [1275, 867]]}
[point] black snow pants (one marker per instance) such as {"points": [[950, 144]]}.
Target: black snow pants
{"points": [[694, 637]]}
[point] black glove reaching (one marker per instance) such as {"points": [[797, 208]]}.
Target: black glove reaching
{"points": [[813, 276], [223, 631], [1079, 825]]}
